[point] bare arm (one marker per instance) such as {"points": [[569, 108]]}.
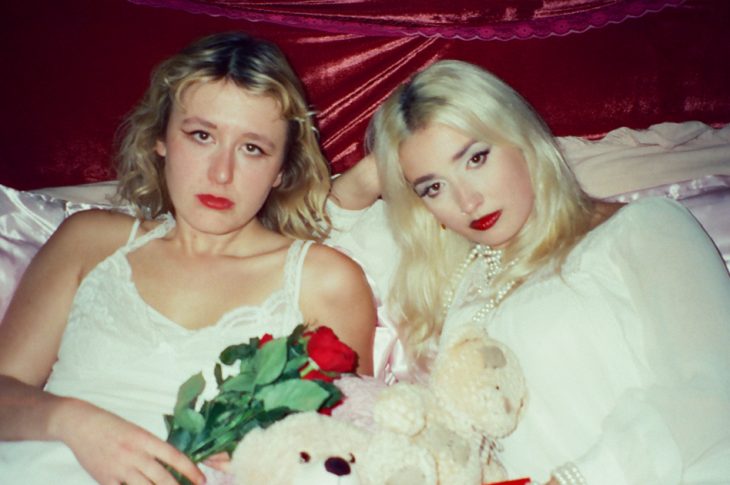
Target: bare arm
{"points": [[335, 293], [110, 448], [31, 332], [359, 187]]}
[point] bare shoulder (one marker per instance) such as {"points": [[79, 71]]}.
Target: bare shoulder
{"points": [[90, 236], [332, 268], [335, 292]]}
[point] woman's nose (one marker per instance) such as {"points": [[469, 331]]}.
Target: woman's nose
{"points": [[221, 169], [468, 198]]}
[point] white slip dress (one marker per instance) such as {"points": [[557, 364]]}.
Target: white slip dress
{"points": [[122, 355]]}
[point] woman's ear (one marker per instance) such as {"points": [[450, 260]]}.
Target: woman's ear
{"points": [[277, 180], [161, 148]]}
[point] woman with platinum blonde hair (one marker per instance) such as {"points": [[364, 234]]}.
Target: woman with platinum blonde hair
{"points": [[618, 313], [483, 108], [223, 172]]}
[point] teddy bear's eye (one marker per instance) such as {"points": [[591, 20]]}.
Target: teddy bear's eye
{"points": [[352, 458], [304, 457]]}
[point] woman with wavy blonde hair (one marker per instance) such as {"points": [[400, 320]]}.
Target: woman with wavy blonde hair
{"points": [[618, 313], [296, 206], [221, 165]]}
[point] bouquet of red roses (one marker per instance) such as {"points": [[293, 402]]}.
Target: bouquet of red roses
{"points": [[276, 377]]}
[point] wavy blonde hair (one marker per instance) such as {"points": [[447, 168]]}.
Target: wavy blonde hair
{"points": [[475, 102], [296, 207]]}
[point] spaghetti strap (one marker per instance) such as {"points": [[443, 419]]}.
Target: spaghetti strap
{"points": [[167, 223], [293, 271], [133, 232]]}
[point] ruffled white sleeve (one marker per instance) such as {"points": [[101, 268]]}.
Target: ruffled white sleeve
{"points": [[675, 428]]}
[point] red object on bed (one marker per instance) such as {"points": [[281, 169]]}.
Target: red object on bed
{"points": [[73, 69]]}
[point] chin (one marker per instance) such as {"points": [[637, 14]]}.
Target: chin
{"points": [[493, 240], [215, 223]]}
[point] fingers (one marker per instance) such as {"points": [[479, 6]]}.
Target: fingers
{"points": [[156, 473], [220, 461], [135, 477], [173, 457]]}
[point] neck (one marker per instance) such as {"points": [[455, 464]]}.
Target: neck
{"points": [[253, 238]]}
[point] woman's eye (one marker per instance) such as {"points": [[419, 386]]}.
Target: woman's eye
{"points": [[430, 190], [478, 159], [252, 149], [200, 135]]}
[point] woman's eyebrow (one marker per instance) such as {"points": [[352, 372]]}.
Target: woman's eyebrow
{"points": [[197, 119], [422, 178], [464, 149]]}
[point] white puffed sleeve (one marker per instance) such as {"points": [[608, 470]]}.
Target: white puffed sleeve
{"points": [[676, 427]]}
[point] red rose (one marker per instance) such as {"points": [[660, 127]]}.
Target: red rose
{"points": [[265, 338], [329, 353]]}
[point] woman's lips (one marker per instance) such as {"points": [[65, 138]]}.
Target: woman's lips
{"points": [[213, 202], [486, 222]]}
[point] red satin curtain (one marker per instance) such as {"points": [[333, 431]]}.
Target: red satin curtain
{"points": [[588, 65], [73, 69]]}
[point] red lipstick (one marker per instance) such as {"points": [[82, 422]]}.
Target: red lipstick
{"points": [[486, 222], [213, 202]]}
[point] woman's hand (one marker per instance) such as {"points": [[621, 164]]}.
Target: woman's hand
{"points": [[220, 461], [114, 450], [358, 187]]}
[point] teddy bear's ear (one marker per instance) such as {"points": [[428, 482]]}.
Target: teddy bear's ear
{"points": [[493, 357]]}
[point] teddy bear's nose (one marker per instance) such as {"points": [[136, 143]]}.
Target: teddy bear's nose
{"points": [[337, 466]]}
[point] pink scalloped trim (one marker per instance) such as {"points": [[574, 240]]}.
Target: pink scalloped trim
{"points": [[540, 28]]}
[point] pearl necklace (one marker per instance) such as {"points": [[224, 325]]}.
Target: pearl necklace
{"points": [[491, 260]]}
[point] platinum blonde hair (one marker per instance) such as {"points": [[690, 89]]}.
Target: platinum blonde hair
{"points": [[296, 207], [471, 100]]}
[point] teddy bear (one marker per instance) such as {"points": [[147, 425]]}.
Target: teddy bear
{"points": [[440, 432], [313, 449], [475, 395]]}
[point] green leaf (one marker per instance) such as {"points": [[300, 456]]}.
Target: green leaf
{"points": [[240, 383], [233, 353], [295, 363], [269, 361], [295, 394], [190, 420], [189, 392], [180, 439], [169, 422], [333, 391], [296, 336], [218, 373], [244, 381]]}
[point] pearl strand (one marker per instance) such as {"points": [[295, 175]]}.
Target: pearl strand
{"points": [[568, 474], [492, 260]]}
